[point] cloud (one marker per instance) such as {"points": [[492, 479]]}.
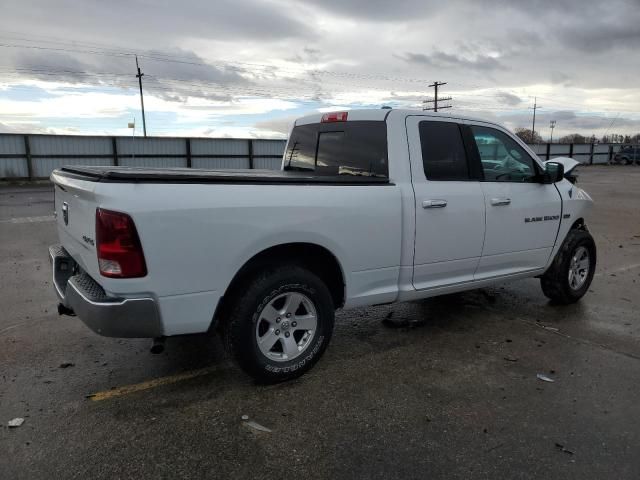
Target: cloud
{"points": [[380, 10], [141, 23], [624, 34], [205, 61], [567, 121], [281, 125], [443, 60], [20, 127], [509, 98], [173, 75]]}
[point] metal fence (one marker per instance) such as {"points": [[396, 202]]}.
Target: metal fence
{"points": [[587, 153], [36, 156]]}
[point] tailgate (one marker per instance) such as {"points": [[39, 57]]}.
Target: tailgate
{"points": [[75, 210]]}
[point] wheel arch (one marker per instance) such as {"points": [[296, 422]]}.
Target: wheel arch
{"points": [[316, 258], [579, 224]]}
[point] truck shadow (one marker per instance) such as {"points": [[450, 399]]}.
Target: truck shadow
{"points": [[448, 323]]}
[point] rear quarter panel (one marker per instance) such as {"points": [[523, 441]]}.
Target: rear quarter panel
{"points": [[196, 237]]}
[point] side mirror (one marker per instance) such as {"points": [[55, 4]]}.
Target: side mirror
{"points": [[553, 172]]}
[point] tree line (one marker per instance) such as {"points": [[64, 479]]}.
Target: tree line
{"points": [[527, 136]]}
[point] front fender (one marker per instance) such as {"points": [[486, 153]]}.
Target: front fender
{"points": [[576, 205]]}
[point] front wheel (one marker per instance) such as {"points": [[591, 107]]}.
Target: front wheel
{"points": [[570, 275], [280, 324]]}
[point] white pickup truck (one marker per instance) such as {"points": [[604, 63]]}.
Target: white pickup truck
{"points": [[370, 207]]}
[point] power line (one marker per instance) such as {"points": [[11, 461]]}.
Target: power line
{"points": [[246, 68], [611, 124], [435, 86], [161, 57]]}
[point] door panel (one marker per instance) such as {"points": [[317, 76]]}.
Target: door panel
{"points": [[522, 215], [520, 235], [449, 218]]}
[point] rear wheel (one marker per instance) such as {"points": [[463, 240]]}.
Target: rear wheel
{"points": [[280, 325], [570, 275]]}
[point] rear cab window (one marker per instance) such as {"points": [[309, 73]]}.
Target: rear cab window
{"points": [[444, 157], [339, 148]]}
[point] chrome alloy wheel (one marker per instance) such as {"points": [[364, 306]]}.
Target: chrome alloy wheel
{"points": [[579, 268], [286, 326]]}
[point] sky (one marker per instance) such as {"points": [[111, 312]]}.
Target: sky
{"points": [[248, 68]]}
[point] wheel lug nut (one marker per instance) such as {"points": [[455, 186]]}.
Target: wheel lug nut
{"points": [[286, 334], [277, 332], [294, 324], [288, 315]]}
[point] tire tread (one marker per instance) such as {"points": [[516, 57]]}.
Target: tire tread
{"points": [[554, 282]]}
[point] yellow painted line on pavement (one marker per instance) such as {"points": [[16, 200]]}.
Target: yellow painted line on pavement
{"points": [[149, 384]]}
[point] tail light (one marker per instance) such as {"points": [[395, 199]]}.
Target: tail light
{"points": [[334, 117], [119, 250]]}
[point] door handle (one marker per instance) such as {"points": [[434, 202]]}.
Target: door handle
{"points": [[434, 203], [500, 201]]}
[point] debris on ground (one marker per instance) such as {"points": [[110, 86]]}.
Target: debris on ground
{"points": [[545, 378], [562, 448], [495, 447], [15, 423], [509, 358], [401, 322], [245, 417], [67, 364], [257, 426], [553, 329]]}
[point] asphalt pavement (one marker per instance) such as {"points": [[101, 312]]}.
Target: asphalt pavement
{"points": [[444, 388]]}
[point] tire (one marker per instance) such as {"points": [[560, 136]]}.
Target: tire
{"points": [[577, 252], [264, 312]]}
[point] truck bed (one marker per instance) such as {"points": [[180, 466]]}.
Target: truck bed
{"points": [[194, 175]]}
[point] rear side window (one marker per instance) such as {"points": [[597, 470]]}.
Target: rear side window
{"points": [[443, 153], [339, 148]]}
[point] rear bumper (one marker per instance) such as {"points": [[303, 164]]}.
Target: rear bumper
{"points": [[106, 315]]}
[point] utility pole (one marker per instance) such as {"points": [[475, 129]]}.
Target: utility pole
{"points": [[435, 107], [139, 76], [552, 125], [533, 127]]}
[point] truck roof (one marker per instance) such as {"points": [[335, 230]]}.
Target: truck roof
{"points": [[381, 114]]}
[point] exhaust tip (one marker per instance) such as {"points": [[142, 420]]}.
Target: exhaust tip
{"points": [[157, 345]]}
